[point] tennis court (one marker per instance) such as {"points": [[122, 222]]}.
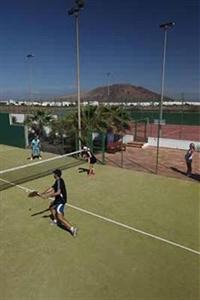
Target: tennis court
{"points": [[138, 237], [13, 156]]}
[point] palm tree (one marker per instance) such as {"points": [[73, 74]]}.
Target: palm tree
{"points": [[100, 119], [38, 121]]}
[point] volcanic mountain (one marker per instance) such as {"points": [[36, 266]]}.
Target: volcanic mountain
{"points": [[116, 93], [121, 93]]}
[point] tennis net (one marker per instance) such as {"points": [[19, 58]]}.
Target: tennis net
{"points": [[34, 170]]}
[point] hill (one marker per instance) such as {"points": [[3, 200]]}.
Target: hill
{"points": [[121, 93]]}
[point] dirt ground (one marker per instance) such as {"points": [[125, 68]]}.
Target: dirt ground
{"points": [[171, 161]]}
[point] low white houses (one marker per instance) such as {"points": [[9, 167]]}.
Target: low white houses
{"points": [[60, 103]]}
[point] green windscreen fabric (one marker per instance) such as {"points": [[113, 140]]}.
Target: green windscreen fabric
{"points": [[12, 135]]}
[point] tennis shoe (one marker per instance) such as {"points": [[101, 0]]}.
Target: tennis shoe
{"points": [[53, 222], [74, 232]]}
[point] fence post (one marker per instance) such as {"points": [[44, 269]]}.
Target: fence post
{"points": [[135, 130], [76, 141], [146, 129], [103, 147], [89, 139], [122, 157]]}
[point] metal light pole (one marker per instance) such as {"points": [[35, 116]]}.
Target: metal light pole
{"points": [[30, 57], [165, 26], [108, 83], [182, 109], [74, 11]]}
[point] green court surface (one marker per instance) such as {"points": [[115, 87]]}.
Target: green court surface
{"points": [[113, 257], [13, 156]]}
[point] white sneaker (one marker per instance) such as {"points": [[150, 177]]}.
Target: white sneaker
{"points": [[74, 232], [53, 222]]}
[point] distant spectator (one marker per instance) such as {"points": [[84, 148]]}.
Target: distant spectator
{"points": [[188, 158], [36, 148]]}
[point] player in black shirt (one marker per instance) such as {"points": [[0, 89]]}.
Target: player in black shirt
{"points": [[91, 159], [58, 190]]}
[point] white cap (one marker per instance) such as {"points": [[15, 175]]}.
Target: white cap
{"points": [[85, 148]]}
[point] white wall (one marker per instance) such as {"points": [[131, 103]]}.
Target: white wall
{"points": [[172, 143], [128, 138], [19, 118]]}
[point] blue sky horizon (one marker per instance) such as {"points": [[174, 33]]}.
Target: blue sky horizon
{"points": [[122, 38]]}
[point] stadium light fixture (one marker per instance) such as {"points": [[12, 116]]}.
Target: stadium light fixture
{"points": [[80, 3], [75, 11], [165, 27]]}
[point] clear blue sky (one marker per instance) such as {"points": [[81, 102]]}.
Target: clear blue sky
{"points": [[120, 37]]}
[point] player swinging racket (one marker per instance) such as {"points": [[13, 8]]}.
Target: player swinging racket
{"points": [[58, 190]]}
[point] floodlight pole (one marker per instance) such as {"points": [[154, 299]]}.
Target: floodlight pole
{"points": [[75, 12], [30, 78], [108, 83], [165, 26], [78, 79], [29, 58]]}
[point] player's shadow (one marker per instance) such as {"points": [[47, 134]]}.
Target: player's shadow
{"points": [[140, 165], [62, 227], [83, 170], [194, 176], [59, 225], [41, 212]]}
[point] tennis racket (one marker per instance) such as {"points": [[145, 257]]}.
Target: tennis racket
{"points": [[34, 194]]}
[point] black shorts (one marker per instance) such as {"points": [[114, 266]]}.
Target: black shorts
{"points": [[36, 156], [189, 162], [93, 160], [55, 203]]}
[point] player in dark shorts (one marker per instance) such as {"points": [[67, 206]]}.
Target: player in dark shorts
{"points": [[58, 190], [91, 159], [188, 158]]}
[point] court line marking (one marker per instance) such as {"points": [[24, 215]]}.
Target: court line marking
{"points": [[4, 157], [134, 229], [116, 222], [5, 150], [40, 162]]}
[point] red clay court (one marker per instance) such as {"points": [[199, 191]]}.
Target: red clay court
{"points": [[173, 131], [171, 161]]}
